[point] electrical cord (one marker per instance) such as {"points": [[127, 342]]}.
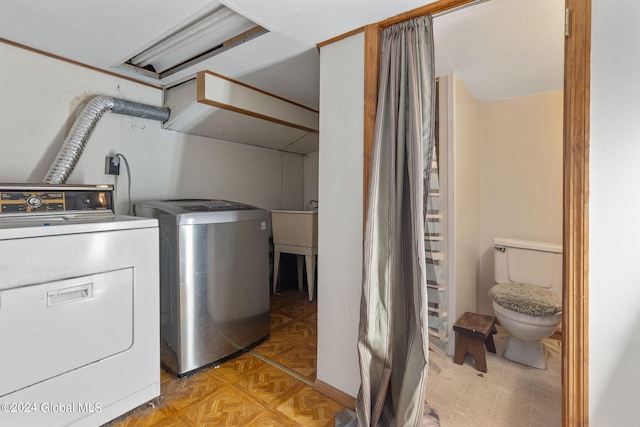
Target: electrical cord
{"points": [[126, 164]]}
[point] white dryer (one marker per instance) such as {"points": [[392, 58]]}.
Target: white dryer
{"points": [[79, 307]]}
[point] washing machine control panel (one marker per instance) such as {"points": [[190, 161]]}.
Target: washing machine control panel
{"points": [[16, 200]]}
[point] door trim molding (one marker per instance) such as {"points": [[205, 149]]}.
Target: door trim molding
{"points": [[575, 317]]}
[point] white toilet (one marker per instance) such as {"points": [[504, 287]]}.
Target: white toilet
{"points": [[527, 298]]}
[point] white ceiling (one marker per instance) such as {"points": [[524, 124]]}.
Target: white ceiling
{"points": [[499, 49], [503, 48]]}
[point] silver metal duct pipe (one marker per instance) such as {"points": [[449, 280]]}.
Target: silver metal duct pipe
{"points": [[83, 127]]}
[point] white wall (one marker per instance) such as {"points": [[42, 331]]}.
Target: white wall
{"points": [[340, 214], [38, 105], [467, 126], [311, 175], [614, 212], [506, 181], [520, 177], [292, 186]]}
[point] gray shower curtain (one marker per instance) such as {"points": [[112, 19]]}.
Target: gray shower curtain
{"points": [[393, 336]]}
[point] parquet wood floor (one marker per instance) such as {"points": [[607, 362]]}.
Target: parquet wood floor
{"points": [[249, 390]]}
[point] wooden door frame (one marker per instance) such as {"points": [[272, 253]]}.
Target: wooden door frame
{"points": [[575, 314], [575, 350]]}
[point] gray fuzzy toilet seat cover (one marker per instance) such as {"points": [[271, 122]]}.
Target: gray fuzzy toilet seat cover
{"points": [[526, 299]]}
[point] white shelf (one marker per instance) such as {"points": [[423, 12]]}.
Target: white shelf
{"points": [[215, 106]]}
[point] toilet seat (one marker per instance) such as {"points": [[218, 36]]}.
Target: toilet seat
{"points": [[526, 299]]}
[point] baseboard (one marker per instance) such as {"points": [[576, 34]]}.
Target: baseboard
{"points": [[335, 394]]}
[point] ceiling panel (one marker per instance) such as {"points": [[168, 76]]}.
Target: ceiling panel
{"points": [[100, 33], [503, 48], [499, 49]]}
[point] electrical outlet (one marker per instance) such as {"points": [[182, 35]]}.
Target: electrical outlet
{"points": [[112, 165]]}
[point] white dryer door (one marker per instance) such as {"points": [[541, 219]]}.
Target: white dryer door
{"points": [[51, 328]]}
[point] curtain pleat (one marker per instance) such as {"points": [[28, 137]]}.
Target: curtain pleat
{"points": [[393, 336]]}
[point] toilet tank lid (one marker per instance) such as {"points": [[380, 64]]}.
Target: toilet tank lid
{"points": [[528, 244]]}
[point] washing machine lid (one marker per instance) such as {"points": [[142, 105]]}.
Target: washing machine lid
{"points": [[182, 206], [199, 211], [207, 205]]}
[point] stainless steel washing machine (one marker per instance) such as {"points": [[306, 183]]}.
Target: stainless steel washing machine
{"points": [[214, 279]]}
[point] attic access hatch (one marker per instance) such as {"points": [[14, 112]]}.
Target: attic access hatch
{"points": [[215, 106], [213, 31]]}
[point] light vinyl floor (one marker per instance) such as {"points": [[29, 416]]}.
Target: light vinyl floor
{"points": [[271, 385], [508, 395]]}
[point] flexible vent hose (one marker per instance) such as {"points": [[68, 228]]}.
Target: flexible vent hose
{"points": [[83, 127]]}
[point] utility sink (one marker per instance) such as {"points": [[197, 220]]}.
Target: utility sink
{"points": [[296, 232], [296, 228]]}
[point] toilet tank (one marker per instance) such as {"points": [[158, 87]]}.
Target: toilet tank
{"points": [[526, 261]]}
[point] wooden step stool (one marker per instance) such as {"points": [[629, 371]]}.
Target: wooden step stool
{"points": [[474, 332]]}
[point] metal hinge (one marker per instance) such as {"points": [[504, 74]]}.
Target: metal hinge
{"points": [[567, 20]]}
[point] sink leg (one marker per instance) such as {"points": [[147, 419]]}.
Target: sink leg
{"points": [[276, 267], [311, 275], [299, 260]]}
